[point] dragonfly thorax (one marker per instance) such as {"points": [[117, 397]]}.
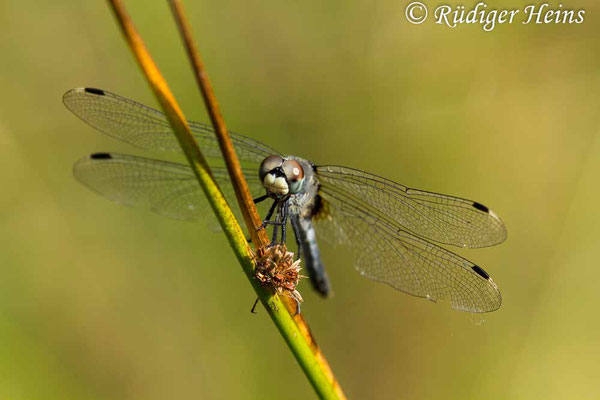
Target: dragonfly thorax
{"points": [[280, 176]]}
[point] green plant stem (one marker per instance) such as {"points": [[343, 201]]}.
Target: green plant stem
{"points": [[294, 329]]}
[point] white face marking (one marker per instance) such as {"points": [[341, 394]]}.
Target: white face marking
{"points": [[296, 171], [269, 179], [276, 185]]}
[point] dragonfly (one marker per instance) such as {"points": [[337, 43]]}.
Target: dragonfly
{"points": [[389, 228]]}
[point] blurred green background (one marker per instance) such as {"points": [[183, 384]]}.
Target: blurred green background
{"points": [[99, 301]]}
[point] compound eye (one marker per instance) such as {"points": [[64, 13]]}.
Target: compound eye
{"points": [[293, 170], [268, 165], [294, 174]]}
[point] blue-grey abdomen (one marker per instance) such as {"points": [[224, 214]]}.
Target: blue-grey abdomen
{"points": [[312, 256]]}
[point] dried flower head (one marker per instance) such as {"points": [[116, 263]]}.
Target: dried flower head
{"points": [[275, 267]]}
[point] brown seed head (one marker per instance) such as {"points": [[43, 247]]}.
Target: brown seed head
{"points": [[275, 267]]}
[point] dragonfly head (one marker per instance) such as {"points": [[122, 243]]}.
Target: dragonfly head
{"points": [[280, 176]]}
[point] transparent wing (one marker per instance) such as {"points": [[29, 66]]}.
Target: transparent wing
{"points": [[386, 252], [444, 219], [167, 188], [147, 128]]}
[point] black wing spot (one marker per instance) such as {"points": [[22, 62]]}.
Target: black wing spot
{"points": [[101, 156], [99, 92], [481, 207], [480, 272]]}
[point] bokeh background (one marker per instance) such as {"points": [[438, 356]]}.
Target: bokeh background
{"points": [[99, 301]]}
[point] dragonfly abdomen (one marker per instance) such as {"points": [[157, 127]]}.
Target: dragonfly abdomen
{"points": [[312, 255]]}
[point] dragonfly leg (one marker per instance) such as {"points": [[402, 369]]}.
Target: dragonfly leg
{"points": [[297, 237], [267, 219], [285, 213], [297, 304], [276, 225], [297, 307], [253, 309], [261, 198]]}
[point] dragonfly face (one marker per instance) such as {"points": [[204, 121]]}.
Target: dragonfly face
{"points": [[388, 227], [281, 177]]}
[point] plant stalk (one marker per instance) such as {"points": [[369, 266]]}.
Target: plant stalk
{"points": [[294, 329]]}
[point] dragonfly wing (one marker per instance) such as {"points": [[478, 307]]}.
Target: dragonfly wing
{"points": [[148, 128], [444, 219], [388, 253], [167, 188]]}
